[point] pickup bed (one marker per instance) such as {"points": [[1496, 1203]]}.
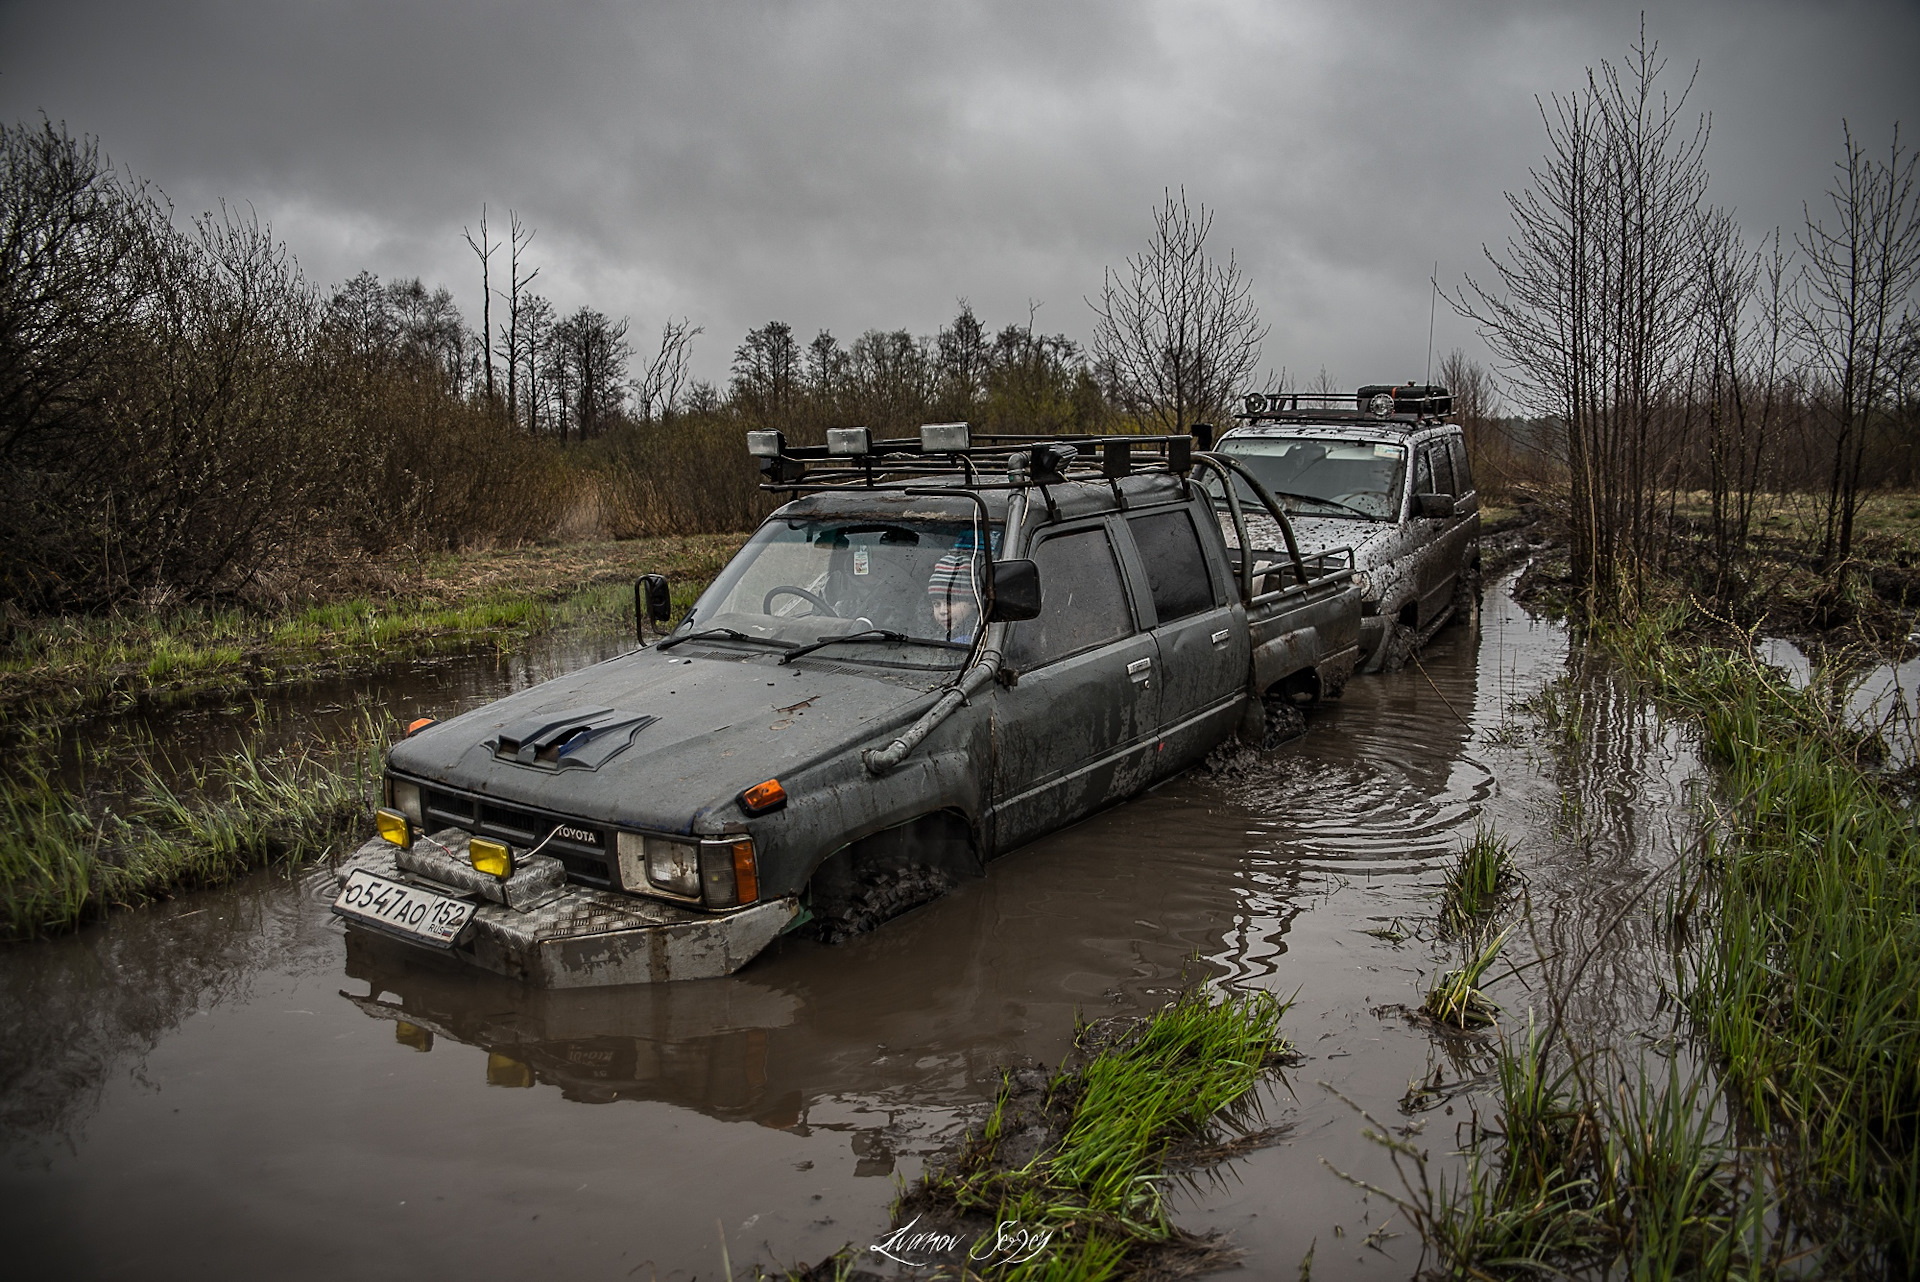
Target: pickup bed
{"points": [[901, 675]]}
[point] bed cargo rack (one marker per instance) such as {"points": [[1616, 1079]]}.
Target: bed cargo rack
{"points": [[853, 458], [1403, 403]]}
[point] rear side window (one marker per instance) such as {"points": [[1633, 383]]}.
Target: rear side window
{"points": [[1176, 567], [1462, 474], [1084, 603]]}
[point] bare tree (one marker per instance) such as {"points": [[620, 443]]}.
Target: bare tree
{"points": [[766, 375], [519, 235], [591, 354], [1176, 331], [483, 249], [1593, 318], [661, 389], [1859, 282]]}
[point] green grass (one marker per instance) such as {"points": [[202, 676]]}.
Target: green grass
{"points": [[1592, 1169], [55, 666], [1111, 1125], [1457, 1000], [1795, 929], [1806, 980], [61, 863], [1479, 877]]}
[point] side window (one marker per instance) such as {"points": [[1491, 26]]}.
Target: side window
{"points": [[1434, 455], [1176, 567], [1084, 602], [1462, 474], [1423, 472]]}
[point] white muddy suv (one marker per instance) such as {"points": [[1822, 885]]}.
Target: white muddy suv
{"points": [[1386, 474]]}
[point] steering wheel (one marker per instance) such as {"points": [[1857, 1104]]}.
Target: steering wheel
{"points": [[819, 606]]}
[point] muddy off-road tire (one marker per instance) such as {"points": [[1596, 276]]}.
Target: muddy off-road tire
{"points": [[1400, 643], [1284, 721], [889, 873], [878, 897]]}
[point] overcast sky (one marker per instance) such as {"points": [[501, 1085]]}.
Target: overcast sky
{"points": [[852, 166]]}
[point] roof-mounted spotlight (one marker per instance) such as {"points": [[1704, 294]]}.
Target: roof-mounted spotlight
{"points": [[944, 438], [766, 444], [1050, 463], [849, 440], [1380, 405]]}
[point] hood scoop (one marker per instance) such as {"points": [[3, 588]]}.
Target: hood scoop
{"points": [[578, 738]]}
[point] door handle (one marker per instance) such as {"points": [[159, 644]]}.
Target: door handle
{"points": [[1140, 671], [1220, 637]]}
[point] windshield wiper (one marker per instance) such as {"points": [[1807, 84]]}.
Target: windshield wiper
{"points": [[731, 634], [1315, 498], [871, 634]]}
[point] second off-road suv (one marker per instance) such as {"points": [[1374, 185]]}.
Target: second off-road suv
{"points": [[1385, 473]]}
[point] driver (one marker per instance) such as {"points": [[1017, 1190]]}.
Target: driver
{"points": [[955, 597]]}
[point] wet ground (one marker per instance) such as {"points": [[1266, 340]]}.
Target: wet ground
{"points": [[228, 1083]]}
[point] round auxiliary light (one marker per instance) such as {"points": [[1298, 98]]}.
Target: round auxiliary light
{"points": [[1256, 403], [1381, 405]]}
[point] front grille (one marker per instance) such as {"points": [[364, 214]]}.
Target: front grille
{"points": [[582, 851]]}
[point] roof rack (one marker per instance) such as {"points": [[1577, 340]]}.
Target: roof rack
{"points": [[1404, 403], [853, 460]]}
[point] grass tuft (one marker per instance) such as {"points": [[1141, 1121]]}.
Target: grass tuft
{"points": [[1479, 878], [1456, 1000], [1106, 1131]]}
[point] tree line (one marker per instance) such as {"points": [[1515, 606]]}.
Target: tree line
{"points": [[1660, 351], [185, 417]]}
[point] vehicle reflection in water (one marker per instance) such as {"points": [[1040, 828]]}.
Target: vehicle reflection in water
{"points": [[702, 1044]]}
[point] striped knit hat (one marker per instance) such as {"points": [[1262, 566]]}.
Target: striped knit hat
{"points": [[953, 579]]}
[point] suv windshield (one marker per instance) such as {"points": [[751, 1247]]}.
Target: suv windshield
{"points": [[803, 580], [1324, 477]]}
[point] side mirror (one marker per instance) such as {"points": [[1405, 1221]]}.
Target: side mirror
{"points": [[1433, 505], [1016, 591], [651, 600]]}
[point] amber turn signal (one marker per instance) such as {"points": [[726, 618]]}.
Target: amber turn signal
{"points": [[746, 874], [491, 857], [415, 727], [763, 797], [394, 827]]}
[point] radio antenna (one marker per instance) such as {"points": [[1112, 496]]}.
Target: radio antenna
{"points": [[1433, 305]]}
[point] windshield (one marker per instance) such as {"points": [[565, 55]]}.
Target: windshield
{"points": [[1324, 477], [801, 580]]}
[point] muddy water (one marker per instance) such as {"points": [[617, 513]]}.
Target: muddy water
{"points": [[228, 1082]]}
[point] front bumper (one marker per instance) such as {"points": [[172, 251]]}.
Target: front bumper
{"points": [[545, 932]]}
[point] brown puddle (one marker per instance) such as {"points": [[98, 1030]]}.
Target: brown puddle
{"points": [[226, 1083]]}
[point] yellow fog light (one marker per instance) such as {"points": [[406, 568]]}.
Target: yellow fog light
{"points": [[492, 857], [394, 827]]}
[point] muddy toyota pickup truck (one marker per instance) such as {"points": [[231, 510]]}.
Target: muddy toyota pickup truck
{"points": [[1384, 473], [940, 649]]}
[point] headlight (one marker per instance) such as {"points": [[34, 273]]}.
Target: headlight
{"points": [[657, 864], [721, 873], [406, 799]]}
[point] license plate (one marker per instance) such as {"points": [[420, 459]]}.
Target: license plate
{"points": [[407, 910]]}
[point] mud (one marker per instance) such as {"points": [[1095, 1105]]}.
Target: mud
{"points": [[229, 1083]]}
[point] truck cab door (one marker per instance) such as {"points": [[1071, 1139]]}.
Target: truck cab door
{"points": [[1200, 630], [1437, 560], [1074, 730]]}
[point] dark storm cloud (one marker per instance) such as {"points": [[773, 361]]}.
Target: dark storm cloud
{"points": [[864, 165]]}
